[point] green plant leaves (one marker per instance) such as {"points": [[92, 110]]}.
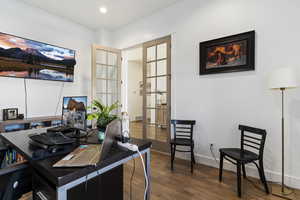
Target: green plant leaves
{"points": [[102, 113]]}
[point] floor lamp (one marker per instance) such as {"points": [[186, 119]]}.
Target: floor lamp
{"points": [[282, 79]]}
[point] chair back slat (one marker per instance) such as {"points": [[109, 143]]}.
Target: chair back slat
{"points": [[183, 131], [253, 139], [249, 145], [184, 127], [252, 142]]}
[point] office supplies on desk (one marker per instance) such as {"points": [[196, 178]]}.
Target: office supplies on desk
{"points": [[86, 155]]}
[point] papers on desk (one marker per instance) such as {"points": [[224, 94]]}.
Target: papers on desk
{"points": [[84, 155]]}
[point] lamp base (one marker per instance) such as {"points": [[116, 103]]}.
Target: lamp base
{"points": [[287, 194]]}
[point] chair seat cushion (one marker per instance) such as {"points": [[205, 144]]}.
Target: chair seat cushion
{"points": [[238, 154], [182, 141]]}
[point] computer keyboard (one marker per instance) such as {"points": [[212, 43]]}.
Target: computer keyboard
{"points": [[51, 138]]}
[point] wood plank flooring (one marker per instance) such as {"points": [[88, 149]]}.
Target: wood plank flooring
{"points": [[182, 185]]}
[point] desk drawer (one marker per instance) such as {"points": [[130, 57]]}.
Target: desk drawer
{"points": [[42, 190], [107, 186]]}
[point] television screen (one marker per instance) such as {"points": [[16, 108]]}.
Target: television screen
{"points": [[25, 58], [74, 112]]}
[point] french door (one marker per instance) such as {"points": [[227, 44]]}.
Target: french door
{"points": [[157, 88], [106, 67]]}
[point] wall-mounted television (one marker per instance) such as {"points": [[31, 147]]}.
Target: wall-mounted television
{"points": [[24, 58]]}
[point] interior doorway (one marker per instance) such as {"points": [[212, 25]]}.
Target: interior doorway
{"points": [[133, 82]]}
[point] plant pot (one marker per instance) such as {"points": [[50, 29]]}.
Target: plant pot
{"points": [[101, 134]]}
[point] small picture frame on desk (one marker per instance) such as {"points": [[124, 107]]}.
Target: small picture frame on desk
{"points": [[10, 114]]}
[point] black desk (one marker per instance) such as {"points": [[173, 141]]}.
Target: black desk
{"points": [[64, 180]]}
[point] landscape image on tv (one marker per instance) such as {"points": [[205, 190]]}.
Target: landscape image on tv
{"points": [[25, 58]]}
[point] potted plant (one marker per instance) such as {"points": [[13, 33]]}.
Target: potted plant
{"points": [[103, 115]]}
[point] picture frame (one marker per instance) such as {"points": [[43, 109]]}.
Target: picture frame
{"points": [[10, 114], [233, 53]]}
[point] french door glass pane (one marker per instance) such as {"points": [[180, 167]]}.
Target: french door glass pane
{"points": [[151, 116], [162, 67], [101, 71], [111, 99], [162, 84], [112, 86], [151, 131], [112, 73], [161, 99], [101, 86], [151, 100], [151, 85], [101, 56], [151, 69], [151, 53], [112, 59], [162, 51], [161, 133], [101, 98]]}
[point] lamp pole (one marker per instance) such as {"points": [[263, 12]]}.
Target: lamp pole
{"points": [[282, 131]]}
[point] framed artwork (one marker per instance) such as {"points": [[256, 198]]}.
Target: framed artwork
{"points": [[228, 54]]}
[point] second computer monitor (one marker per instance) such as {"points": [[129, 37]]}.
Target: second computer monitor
{"points": [[74, 112]]}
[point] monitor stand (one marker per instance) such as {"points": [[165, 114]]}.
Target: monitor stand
{"points": [[76, 134]]}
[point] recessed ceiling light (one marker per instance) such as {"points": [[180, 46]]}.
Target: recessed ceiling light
{"points": [[103, 9]]}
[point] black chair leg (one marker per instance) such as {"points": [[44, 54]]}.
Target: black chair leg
{"points": [[261, 171], [239, 180], [192, 159], [244, 171], [221, 167], [173, 149], [172, 157]]}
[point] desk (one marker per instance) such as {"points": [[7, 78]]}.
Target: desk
{"points": [[64, 180]]}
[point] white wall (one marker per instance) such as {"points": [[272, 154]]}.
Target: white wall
{"points": [[220, 102], [103, 37], [135, 100], [22, 20]]}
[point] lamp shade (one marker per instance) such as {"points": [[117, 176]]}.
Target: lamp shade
{"points": [[283, 78]]}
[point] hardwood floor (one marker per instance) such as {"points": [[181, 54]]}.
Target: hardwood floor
{"points": [[182, 185], [159, 134]]}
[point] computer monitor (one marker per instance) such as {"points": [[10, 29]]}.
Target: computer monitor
{"points": [[74, 112]]}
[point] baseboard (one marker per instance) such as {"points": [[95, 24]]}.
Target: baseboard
{"points": [[272, 176]]}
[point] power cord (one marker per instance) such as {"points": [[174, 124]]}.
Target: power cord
{"points": [[135, 148], [131, 179], [146, 176], [25, 91], [59, 98], [213, 154]]}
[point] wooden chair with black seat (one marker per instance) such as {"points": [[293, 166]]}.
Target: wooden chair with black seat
{"points": [[252, 150], [15, 180], [183, 136]]}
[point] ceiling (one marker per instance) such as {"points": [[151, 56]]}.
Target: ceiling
{"points": [[86, 12]]}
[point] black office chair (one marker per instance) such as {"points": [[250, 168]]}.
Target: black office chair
{"points": [[183, 136], [254, 139]]}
